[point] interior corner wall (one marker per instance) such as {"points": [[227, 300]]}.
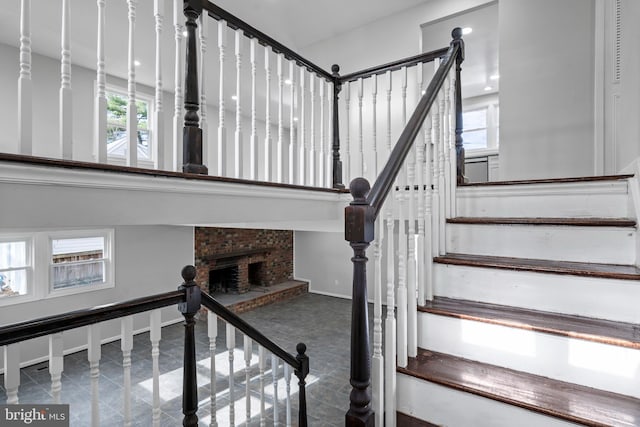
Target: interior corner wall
{"points": [[324, 259], [546, 88], [388, 39], [147, 259]]}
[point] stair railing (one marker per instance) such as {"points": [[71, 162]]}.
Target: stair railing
{"points": [[438, 117], [188, 298]]}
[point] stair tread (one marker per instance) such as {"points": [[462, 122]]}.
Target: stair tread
{"points": [[584, 222], [560, 399], [405, 420], [586, 328], [611, 271], [549, 180]]}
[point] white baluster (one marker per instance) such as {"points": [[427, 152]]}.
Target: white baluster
{"points": [[321, 143], [287, 380], [377, 360], [25, 85], [178, 19], [402, 242], [389, 89], [346, 150], [238, 154], [412, 302], [222, 130], [212, 333], [390, 320], [419, 143], [262, 363], [231, 345], [66, 111], [329, 139], [132, 111], [292, 124], [441, 174], [267, 130], [158, 114], [312, 130], [453, 180], [280, 143], [203, 35], [302, 146], [374, 136], [435, 165], [12, 372], [155, 333], [93, 356], [360, 158], [126, 345], [56, 364], [274, 374], [253, 140], [248, 351], [447, 144], [100, 108], [428, 201]]}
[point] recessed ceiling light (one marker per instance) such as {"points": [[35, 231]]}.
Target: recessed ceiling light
{"points": [[494, 77], [234, 97], [487, 88], [136, 63], [295, 119], [467, 30], [287, 82]]}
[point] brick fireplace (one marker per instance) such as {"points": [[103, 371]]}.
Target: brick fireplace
{"points": [[235, 259]]}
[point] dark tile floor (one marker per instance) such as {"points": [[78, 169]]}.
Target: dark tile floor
{"points": [[321, 322]]}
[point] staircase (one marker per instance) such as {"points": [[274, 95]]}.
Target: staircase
{"points": [[534, 320]]}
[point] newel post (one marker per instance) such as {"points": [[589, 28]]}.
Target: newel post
{"points": [[337, 163], [189, 308], [359, 230], [456, 34], [301, 373], [192, 134]]}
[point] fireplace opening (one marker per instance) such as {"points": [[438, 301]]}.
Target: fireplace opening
{"points": [[256, 274], [224, 279]]}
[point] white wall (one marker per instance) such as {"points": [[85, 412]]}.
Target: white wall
{"points": [[148, 260], [546, 88]]}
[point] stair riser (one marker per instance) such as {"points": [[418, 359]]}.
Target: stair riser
{"points": [[559, 293], [442, 405], [613, 245], [602, 366], [607, 199]]}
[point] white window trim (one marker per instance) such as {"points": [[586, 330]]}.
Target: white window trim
{"points": [[491, 103], [108, 261], [149, 163], [31, 294]]}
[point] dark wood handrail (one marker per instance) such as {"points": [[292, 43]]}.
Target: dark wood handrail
{"points": [[395, 65], [216, 12], [230, 317], [384, 182], [62, 322]]}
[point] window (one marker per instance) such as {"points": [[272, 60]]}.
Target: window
{"points": [[15, 266], [480, 119], [117, 104], [474, 134], [79, 261]]}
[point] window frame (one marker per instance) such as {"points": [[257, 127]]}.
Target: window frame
{"points": [[491, 103], [107, 258], [31, 291]]}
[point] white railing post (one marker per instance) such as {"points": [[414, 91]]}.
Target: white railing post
{"points": [[280, 143], [287, 380], [231, 345], [321, 143], [447, 143], [302, 137], [178, 18], [441, 175], [374, 125], [390, 321], [132, 109], [293, 164], [238, 149], [222, 130], [12, 372], [453, 179], [435, 164], [93, 356], [420, 195], [360, 154], [25, 85], [66, 111], [377, 360], [329, 139], [100, 111], [56, 365], [312, 130], [155, 333], [253, 139], [262, 363], [203, 35], [267, 130], [346, 149], [274, 375], [412, 302], [248, 351], [158, 114], [428, 201], [212, 333], [126, 345]]}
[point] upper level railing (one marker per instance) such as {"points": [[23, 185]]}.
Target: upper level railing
{"points": [[189, 300], [250, 109]]}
